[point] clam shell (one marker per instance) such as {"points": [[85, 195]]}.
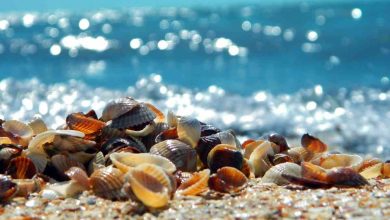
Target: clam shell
{"points": [[299, 154], [188, 130], [150, 184], [140, 115], [66, 189], [107, 183], [20, 129], [195, 185], [118, 107], [160, 118], [247, 169], [205, 145], [5, 140], [7, 188], [8, 152], [127, 161], [259, 159], [87, 125], [279, 140], [63, 163], [250, 147], [313, 144], [274, 174], [180, 153], [78, 175], [226, 137], [368, 163], [150, 139], [37, 125], [373, 171], [206, 130], [224, 155], [341, 160], [228, 179], [37, 143], [21, 168]]}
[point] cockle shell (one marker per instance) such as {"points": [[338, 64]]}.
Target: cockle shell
{"points": [[87, 125], [274, 174], [63, 163], [37, 125], [140, 115], [180, 153], [40, 160], [107, 183], [195, 185], [118, 107], [127, 161], [37, 143], [188, 130], [98, 162], [151, 185], [224, 155], [227, 179], [19, 129], [21, 168]]}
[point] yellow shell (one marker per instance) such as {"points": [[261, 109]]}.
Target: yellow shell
{"points": [[196, 184], [259, 158]]}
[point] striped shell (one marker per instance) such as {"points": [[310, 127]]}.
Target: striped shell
{"points": [[228, 179], [118, 107], [274, 174], [188, 130], [107, 183], [180, 153], [19, 129], [87, 125], [40, 161], [127, 161], [21, 168], [140, 115], [151, 185], [195, 185]]}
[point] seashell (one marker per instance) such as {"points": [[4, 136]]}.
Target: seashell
{"points": [[160, 118], [341, 160], [368, 163], [386, 169], [250, 147], [78, 175], [87, 125], [5, 140], [150, 139], [206, 130], [166, 135], [97, 162], [107, 183], [171, 119], [313, 144], [72, 144], [28, 186], [247, 169], [39, 160], [49, 194], [281, 158], [67, 188], [279, 140], [19, 129], [138, 116], [274, 174], [115, 144], [63, 163], [299, 154], [188, 130], [224, 155], [7, 153], [21, 168], [228, 137], [373, 171], [37, 125], [127, 161], [182, 177], [227, 179], [37, 143], [118, 107], [180, 153], [151, 185], [195, 185], [7, 188], [147, 129], [82, 156], [205, 145], [259, 158]]}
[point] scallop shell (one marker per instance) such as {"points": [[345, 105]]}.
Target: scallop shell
{"points": [[151, 185], [341, 160], [195, 185], [259, 159], [140, 115], [21, 168], [37, 125], [228, 179], [78, 175], [37, 143], [87, 125], [188, 130], [224, 155], [19, 129], [63, 163], [127, 161], [118, 107], [181, 154], [274, 174], [107, 183], [7, 188]]}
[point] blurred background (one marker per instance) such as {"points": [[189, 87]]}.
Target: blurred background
{"points": [[290, 66]]}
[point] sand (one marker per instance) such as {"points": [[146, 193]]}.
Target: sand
{"points": [[257, 201]]}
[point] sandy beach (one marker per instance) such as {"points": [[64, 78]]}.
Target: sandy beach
{"points": [[257, 201]]}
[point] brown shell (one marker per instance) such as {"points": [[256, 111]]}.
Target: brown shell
{"points": [[167, 134], [313, 144], [8, 152], [228, 179], [21, 168], [72, 144], [115, 144], [118, 107], [140, 115], [87, 125], [247, 169], [195, 185], [150, 139], [224, 155], [63, 163], [79, 175], [107, 183], [7, 188], [386, 169], [279, 140], [205, 145], [180, 153]]}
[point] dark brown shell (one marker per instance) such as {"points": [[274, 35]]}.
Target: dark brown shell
{"points": [[180, 153], [87, 125], [107, 183], [118, 107], [279, 140], [8, 152], [150, 139], [207, 130], [228, 179], [205, 145], [21, 168], [115, 144], [313, 144], [167, 135], [63, 163], [140, 115], [7, 188], [224, 155]]}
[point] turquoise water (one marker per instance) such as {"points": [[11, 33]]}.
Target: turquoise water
{"points": [[318, 67]]}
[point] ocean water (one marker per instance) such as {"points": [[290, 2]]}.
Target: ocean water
{"points": [[321, 68]]}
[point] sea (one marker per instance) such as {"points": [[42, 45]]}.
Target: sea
{"points": [[319, 67]]}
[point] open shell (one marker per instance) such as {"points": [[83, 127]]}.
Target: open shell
{"points": [[180, 153], [127, 161], [37, 125], [341, 160], [227, 179], [313, 144], [195, 185], [259, 158]]}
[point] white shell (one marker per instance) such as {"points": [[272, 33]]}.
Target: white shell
{"points": [[37, 125], [20, 129], [274, 174], [36, 144], [259, 160], [67, 189], [188, 130]]}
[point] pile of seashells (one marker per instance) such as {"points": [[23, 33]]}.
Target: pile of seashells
{"points": [[133, 151]]}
